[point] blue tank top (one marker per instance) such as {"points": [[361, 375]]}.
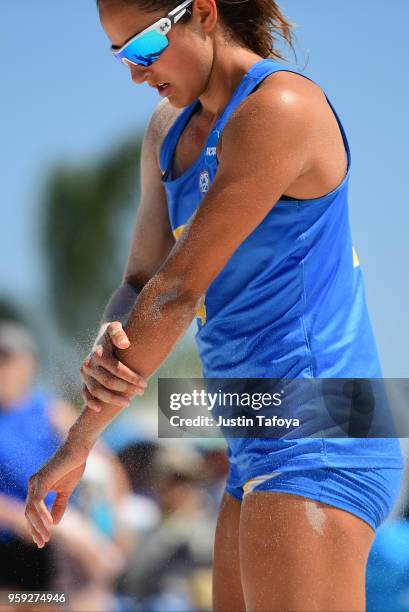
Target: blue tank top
{"points": [[27, 441], [289, 303]]}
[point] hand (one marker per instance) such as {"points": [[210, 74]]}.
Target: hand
{"points": [[61, 474], [107, 380]]}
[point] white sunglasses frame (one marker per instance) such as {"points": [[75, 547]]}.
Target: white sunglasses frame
{"points": [[163, 26]]}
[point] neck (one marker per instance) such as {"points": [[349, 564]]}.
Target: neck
{"points": [[229, 67]]}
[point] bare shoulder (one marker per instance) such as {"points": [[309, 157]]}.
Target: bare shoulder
{"points": [[283, 81], [161, 121], [284, 100], [287, 120], [286, 111]]}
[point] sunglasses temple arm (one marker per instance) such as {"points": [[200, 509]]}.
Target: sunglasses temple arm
{"points": [[176, 16]]}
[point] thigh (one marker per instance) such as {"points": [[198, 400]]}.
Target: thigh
{"points": [[299, 554], [227, 589]]}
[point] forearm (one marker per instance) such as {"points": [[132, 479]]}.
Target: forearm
{"points": [[160, 316], [121, 304]]}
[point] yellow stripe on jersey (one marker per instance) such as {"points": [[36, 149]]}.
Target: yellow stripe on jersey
{"points": [[251, 484], [201, 313], [178, 231], [355, 257]]}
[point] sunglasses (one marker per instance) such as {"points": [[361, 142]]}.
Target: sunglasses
{"points": [[145, 48]]}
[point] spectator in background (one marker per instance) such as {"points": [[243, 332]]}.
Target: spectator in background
{"points": [[141, 510], [215, 467], [27, 439], [170, 568], [387, 571], [91, 538]]}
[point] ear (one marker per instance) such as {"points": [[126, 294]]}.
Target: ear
{"points": [[205, 13]]}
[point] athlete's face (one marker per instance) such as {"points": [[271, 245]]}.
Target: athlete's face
{"points": [[16, 377], [185, 64]]}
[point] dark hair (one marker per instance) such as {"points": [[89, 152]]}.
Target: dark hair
{"points": [[255, 24]]}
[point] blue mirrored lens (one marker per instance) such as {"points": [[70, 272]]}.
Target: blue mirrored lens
{"points": [[145, 49]]}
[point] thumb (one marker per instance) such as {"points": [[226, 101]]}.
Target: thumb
{"points": [[117, 335], [59, 507]]}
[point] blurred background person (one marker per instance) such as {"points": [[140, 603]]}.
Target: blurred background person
{"points": [[387, 572], [27, 438], [92, 542], [170, 568]]}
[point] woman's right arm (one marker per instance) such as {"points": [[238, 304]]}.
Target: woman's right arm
{"points": [[152, 242], [106, 379]]}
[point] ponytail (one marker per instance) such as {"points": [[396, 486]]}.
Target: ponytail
{"points": [[256, 24]]}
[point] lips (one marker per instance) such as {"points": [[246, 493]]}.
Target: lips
{"points": [[163, 88]]}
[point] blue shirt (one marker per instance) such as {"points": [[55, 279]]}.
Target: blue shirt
{"points": [[27, 441], [289, 303]]}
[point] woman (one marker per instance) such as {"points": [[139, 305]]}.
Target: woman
{"points": [[266, 261]]}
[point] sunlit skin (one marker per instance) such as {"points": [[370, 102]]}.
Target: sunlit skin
{"points": [[283, 139]]}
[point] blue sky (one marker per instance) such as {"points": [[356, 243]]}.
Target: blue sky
{"points": [[64, 98]]}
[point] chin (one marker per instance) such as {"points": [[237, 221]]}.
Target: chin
{"points": [[177, 102], [183, 100]]}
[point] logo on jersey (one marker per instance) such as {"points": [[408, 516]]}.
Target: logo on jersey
{"points": [[204, 181], [211, 151]]}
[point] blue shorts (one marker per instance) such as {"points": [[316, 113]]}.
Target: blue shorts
{"points": [[369, 493]]}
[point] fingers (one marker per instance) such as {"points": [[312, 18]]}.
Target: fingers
{"points": [[59, 507], [107, 381], [36, 536], [111, 382], [38, 518], [99, 392], [118, 369], [44, 513], [90, 401], [117, 335]]}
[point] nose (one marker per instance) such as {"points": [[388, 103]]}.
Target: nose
{"points": [[138, 73]]}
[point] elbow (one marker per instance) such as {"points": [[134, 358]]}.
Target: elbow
{"points": [[179, 298], [135, 281], [173, 294]]}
